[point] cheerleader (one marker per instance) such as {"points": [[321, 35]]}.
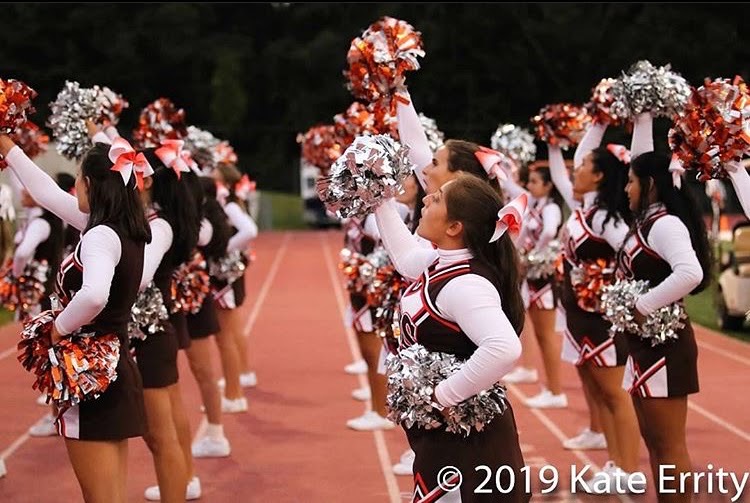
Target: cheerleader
{"points": [[466, 303], [173, 221], [541, 225], [97, 286], [668, 247], [7, 217], [230, 338], [71, 235], [212, 243], [595, 230], [174, 225]]}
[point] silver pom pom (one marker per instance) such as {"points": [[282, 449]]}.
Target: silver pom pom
{"points": [[413, 375], [148, 314], [646, 88], [660, 326], [371, 170], [229, 268], [435, 137], [202, 146], [515, 142], [542, 264], [75, 104]]}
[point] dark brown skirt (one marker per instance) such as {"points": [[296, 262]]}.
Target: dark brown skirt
{"points": [[664, 370], [205, 322], [179, 322], [591, 339], [156, 357], [497, 446]]}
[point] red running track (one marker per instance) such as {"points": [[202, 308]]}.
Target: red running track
{"points": [[293, 446]]}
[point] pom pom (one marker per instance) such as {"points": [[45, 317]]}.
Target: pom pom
{"points": [[32, 140], [224, 153], [618, 304], [159, 121], [190, 285], [371, 171], [24, 293], [435, 137], [561, 124], [543, 264], [79, 367], [148, 315], [70, 111], [515, 142], [714, 128], [647, 88], [349, 264], [589, 279], [383, 292], [600, 106], [321, 146], [15, 104], [357, 120], [379, 59], [202, 146], [229, 268], [113, 105], [413, 375]]}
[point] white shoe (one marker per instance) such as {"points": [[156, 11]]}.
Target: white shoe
{"points": [[521, 375], [192, 492], [247, 380], [546, 400], [356, 368], [370, 421], [45, 427], [405, 465], [595, 484], [586, 440], [210, 447], [362, 394], [233, 406], [42, 400]]}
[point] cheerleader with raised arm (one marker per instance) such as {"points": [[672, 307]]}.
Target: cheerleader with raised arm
{"points": [[541, 226], [97, 286], [466, 303], [667, 247], [230, 297], [592, 235]]}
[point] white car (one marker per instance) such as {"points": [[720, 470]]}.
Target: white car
{"points": [[733, 299]]}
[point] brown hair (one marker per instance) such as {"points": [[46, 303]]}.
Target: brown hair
{"points": [[231, 175], [474, 204], [461, 158]]}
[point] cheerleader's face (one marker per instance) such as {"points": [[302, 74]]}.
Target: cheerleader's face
{"points": [[82, 193], [434, 225], [437, 173], [537, 186], [411, 188], [586, 178]]}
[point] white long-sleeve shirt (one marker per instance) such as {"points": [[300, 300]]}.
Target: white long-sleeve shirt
{"points": [[643, 135], [670, 239], [471, 301], [37, 232], [411, 133], [247, 230], [161, 240], [407, 251], [741, 182], [100, 246], [206, 232]]}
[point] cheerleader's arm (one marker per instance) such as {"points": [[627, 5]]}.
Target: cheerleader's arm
{"points": [[408, 254], [474, 304], [412, 134], [36, 233]]}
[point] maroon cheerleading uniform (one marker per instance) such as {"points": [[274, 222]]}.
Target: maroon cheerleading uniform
{"points": [[665, 370]]}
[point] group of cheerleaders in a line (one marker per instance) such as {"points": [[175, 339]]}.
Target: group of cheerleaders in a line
{"points": [[140, 216], [626, 208]]}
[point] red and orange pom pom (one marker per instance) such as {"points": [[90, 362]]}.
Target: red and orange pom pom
{"points": [[321, 146], [588, 282], [561, 124], [113, 105], [159, 121], [31, 139], [15, 104], [379, 59], [714, 128], [24, 293], [79, 367], [190, 285]]}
